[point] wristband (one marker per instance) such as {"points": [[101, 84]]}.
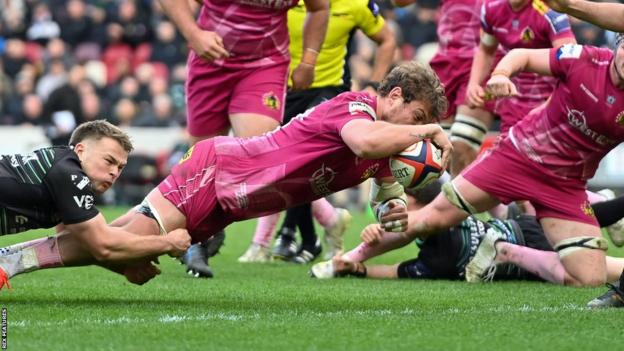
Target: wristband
{"points": [[309, 57]]}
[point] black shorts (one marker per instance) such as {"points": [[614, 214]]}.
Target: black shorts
{"points": [[299, 101]]}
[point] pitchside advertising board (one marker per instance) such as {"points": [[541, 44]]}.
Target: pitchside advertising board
{"points": [[152, 141]]}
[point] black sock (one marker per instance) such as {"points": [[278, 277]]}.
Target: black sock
{"points": [[289, 225], [306, 227], [609, 212]]}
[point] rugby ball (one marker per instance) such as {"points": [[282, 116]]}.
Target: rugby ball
{"points": [[418, 165]]}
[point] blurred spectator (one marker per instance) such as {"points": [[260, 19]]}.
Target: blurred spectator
{"points": [[419, 25], [127, 87], [12, 19], [76, 25], [118, 55], [63, 110], [167, 47], [91, 107], [159, 115], [134, 23], [54, 78], [14, 58], [32, 111], [24, 85], [42, 27], [125, 112], [56, 50], [587, 34]]}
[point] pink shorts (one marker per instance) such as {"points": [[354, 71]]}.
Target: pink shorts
{"points": [[213, 93], [454, 73], [191, 188], [510, 176]]}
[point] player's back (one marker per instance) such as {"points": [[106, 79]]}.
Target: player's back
{"points": [[302, 161], [458, 27]]}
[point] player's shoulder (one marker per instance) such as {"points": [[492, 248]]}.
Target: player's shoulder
{"points": [[66, 162], [584, 53]]}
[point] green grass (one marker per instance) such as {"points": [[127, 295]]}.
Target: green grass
{"points": [[277, 307]]}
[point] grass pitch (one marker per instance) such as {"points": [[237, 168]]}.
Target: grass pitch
{"points": [[278, 307]]}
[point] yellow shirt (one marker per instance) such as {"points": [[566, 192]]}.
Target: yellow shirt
{"points": [[345, 16]]}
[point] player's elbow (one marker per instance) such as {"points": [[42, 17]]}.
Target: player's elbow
{"points": [[101, 252]]}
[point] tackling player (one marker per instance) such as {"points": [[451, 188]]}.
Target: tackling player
{"points": [[56, 186]]}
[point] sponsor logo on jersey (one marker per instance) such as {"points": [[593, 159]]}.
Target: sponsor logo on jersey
{"points": [[527, 35], [321, 179], [271, 101], [84, 201], [619, 119], [370, 171], [577, 120], [361, 107], [587, 209], [569, 51], [187, 154]]}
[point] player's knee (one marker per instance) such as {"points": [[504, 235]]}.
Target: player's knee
{"points": [[468, 132], [587, 249], [589, 279]]}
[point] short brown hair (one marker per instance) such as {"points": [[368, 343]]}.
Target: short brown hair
{"points": [[417, 82], [99, 129]]}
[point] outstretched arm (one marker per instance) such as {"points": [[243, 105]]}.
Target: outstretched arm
{"points": [[314, 30], [607, 15]]}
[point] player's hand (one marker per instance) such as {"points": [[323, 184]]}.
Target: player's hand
{"points": [[500, 86], [475, 95], [141, 273], [392, 215], [342, 266], [208, 45], [441, 140], [180, 240], [302, 76], [372, 234]]}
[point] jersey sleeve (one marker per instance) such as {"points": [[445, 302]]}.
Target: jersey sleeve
{"points": [[565, 58], [369, 19], [485, 20], [349, 108], [559, 25], [71, 192]]}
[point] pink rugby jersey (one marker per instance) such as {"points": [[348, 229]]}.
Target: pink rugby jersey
{"points": [[458, 27], [534, 26], [254, 32], [303, 161], [583, 120]]}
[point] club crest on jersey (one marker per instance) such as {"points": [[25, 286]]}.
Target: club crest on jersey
{"points": [[188, 154], [527, 35], [619, 119], [370, 171], [587, 209], [84, 180], [271, 101], [320, 180]]}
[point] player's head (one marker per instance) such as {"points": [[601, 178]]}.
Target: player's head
{"points": [[412, 94], [618, 58], [103, 152]]}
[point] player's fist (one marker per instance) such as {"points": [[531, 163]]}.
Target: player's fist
{"points": [[500, 86], [392, 215], [180, 240], [302, 76], [141, 273], [475, 95], [208, 45]]}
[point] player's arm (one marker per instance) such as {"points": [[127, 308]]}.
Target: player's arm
{"points": [[205, 44], [314, 30], [386, 45], [112, 244], [607, 15], [517, 60], [481, 65], [379, 139]]}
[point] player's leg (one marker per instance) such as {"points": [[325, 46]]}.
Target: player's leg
{"points": [[335, 222], [285, 243], [614, 297], [310, 247], [610, 214], [467, 134]]}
